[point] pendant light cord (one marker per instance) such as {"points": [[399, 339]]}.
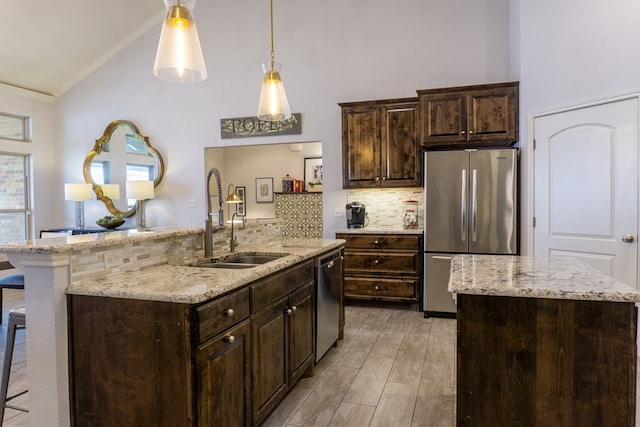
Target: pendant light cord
{"points": [[272, 52]]}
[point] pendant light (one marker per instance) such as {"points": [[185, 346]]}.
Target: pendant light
{"points": [[274, 105], [179, 56]]}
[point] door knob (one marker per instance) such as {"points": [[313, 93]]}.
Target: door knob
{"points": [[627, 238]]}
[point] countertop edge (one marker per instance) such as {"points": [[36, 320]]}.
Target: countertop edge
{"points": [[418, 231], [535, 277], [193, 285]]}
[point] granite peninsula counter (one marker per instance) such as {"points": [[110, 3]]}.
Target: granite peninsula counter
{"points": [[149, 269], [543, 342], [181, 283]]}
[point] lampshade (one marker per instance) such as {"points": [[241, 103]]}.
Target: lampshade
{"points": [[78, 192], [179, 56], [140, 190], [111, 191], [273, 105], [232, 196]]}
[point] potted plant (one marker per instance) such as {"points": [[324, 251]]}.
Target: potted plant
{"points": [[314, 186]]}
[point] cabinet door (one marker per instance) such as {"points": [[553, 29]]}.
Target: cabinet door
{"points": [[444, 118], [223, 372], [269, 349], [401, 150], [493, 114], [301, 327], [361, 151]]}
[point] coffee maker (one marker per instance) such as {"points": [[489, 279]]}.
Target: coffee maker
{"points": [[355, 215]]}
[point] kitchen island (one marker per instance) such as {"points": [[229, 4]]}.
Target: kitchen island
{"points": [[543, 342], [126, 267]]}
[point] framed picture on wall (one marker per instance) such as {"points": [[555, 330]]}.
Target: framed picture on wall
{"points": [[312, 171], [264, 190], [241, 208]]}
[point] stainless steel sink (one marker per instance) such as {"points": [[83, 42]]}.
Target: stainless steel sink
{"points": [[229, 265], [238, 261]]}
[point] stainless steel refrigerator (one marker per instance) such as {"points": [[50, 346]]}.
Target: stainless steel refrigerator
{"points": [[471, 206]]}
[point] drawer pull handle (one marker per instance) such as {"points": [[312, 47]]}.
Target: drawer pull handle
{"points": [[377, 288], [376, 262], [376, 243], [229, 312], [229, 338]]}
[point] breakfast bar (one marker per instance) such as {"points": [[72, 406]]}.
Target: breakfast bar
{"points": [[543, 341]]}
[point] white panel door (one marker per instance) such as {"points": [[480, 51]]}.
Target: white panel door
{"points": [[586, 187]]}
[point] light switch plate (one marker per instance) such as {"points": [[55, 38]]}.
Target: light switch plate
{"points": [[338, 212]]}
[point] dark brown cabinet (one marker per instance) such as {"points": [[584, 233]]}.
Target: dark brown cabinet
{"points": [[223, 371], [380, 146], [469, 116], [283, 337], [382, 267], [226, 362], [545, 362]]}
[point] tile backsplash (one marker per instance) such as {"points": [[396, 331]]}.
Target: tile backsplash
{"points": [[301, 214], [384, 206]]}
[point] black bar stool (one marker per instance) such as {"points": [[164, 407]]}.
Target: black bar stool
{"points": [[15, 281], [17, 320]]}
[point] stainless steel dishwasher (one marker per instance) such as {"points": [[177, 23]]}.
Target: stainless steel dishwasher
{"points": [[328, 289]]}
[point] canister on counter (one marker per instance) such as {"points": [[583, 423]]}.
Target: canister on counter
{"points": [[287, 184], [410, 218]]}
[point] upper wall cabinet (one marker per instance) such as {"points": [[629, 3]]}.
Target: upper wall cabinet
{"points": [[380, 146], [469, 116]]}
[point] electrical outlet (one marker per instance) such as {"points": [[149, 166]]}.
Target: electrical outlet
{"points": [[338, 212], [113, 259], [191, 203]]}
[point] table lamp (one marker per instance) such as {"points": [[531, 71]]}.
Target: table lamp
{"points": [[78, 193], [140, 191]]}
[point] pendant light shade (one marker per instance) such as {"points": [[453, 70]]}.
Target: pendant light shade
{"points": [[179, 56], [273, 105]]}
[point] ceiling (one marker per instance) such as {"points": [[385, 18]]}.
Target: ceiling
{"points": [[48, 46]]}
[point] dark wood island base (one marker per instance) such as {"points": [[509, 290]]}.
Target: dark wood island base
{"points": [[525, 361]]}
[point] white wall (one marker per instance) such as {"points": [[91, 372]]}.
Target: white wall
{"points": [[572, 51], [332, 51]]}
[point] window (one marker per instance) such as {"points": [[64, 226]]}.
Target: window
{"points": [[14, 197], [14, 127]]}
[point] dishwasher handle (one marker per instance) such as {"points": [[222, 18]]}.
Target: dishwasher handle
{"points": [[329, 259]]}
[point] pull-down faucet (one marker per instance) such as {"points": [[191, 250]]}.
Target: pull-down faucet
{"points": [[209, 229]]}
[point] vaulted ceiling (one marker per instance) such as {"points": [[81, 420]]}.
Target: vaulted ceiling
{"points": [[48, 46]]}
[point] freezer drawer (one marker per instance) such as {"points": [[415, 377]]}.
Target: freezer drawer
{"points": [[438, 301]]}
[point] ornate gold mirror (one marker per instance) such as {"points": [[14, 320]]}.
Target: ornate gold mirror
{"points": [[121, 154]]}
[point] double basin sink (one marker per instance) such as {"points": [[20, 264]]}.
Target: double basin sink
{"points": [[238, 261]]}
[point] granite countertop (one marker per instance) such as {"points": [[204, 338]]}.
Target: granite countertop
{"points": [[66, 243], [192, 285], [554, 278], [381, 230]]}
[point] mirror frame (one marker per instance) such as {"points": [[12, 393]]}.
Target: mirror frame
{"points": [[97, 149]]}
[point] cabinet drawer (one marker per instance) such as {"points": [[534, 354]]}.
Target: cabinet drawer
{"points": [[382, 241], [214, 317], [372, 287], [382, 262], [272, 288]]}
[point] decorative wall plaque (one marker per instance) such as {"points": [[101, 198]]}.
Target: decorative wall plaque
{"points": [[245, 127]]}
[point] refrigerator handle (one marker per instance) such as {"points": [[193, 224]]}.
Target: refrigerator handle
{"points": [[474, 202], [463, 207]]}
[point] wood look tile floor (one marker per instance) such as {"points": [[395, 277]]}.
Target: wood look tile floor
{"points": [[394, 368]]}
